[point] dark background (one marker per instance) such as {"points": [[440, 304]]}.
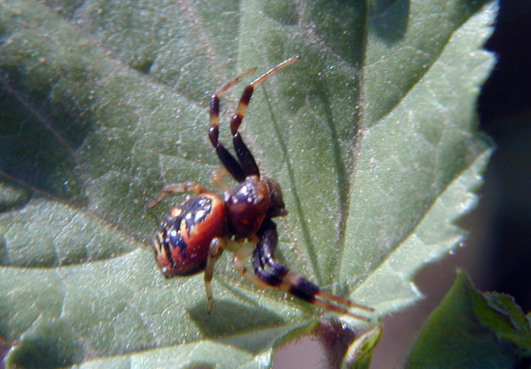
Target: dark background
{"points": [[505, 115], [503, 258]]}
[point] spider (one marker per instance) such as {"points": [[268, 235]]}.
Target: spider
{"points": [[194, 233]]}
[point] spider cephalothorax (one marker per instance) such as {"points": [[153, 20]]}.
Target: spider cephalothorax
{"points": [[193, 234], [250, 202]]}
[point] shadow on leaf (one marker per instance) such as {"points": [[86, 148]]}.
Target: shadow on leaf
{"points": [[229, 318]]}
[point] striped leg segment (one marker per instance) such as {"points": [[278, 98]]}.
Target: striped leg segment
{"points": [[244, 155], [275, 275], [224, 155], [245, 165]]}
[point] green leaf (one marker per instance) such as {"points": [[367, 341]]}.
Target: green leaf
{"points": [[360, 352], [473, 330], [371, 134]]}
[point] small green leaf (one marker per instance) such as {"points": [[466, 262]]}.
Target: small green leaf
{"points": [[472, 330], [504, 317], [360, 352], [371, 135]]}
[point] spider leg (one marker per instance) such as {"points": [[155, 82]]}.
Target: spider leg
{"points": [[244, 154], [214, 250], [224, 155], [276, 275], [218, 179], [239, 263], [176, 188]]}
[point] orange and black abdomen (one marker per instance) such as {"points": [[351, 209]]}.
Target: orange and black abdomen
{"points": [[183, 238]]}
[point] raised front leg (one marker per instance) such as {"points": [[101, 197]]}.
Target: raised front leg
{"points": [[245, 165], [224, 155], [244, 155]]}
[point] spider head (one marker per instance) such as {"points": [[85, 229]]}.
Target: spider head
{"points": [[250, 202]]}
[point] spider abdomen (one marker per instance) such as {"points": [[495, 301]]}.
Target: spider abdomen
{"points": [[183, 238]]}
